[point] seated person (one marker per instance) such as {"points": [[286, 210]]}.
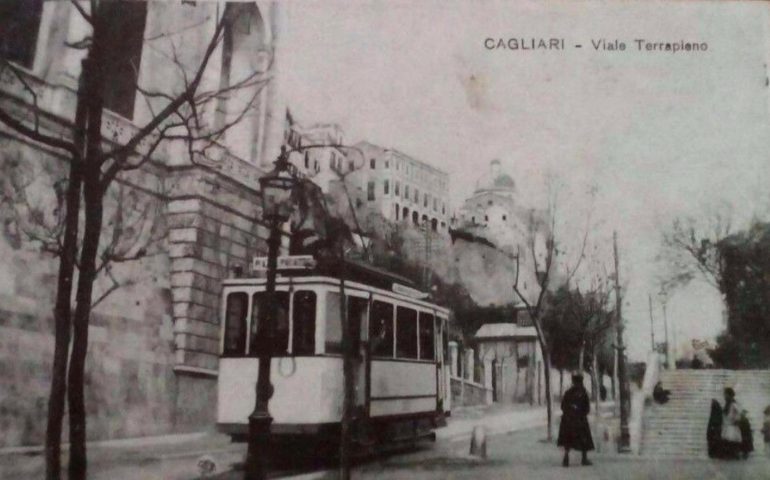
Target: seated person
{"points": [[659, 394]]}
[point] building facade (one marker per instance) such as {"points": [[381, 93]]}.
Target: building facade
{"points": [[399, 187], [153, 342], [322, 164]]}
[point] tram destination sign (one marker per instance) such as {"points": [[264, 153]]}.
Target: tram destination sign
{"points": [[287, 262], [409, 291]]}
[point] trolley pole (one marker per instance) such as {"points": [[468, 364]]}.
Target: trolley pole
{"points": [[260, 419], [625, 403]]}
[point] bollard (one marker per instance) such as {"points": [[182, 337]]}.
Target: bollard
{"points": [[479, 442]]}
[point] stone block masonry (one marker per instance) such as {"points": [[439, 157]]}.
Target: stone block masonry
{"points": [[154, 344]]}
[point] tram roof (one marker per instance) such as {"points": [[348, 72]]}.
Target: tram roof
{"points": [[349, 270], [357, 272]]}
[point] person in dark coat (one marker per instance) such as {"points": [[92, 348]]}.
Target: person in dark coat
{"points": [[660, 394], [574, 432], [714, 430], [747, 438]]}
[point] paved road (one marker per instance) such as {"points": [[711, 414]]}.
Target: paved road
{"points": [[523, 455]]}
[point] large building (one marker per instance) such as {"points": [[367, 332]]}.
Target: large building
{"points": [[400, 187], [154, 342]]}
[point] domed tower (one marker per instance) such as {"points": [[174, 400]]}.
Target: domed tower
{"points": [[495, 181]]}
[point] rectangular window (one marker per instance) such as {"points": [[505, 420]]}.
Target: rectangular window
{"points": [[398, 188], [406, 333], [427, 337], [19, 26], [303, 339], [435, 204], [416, 196], [236, 306], [351, 165], [386, 187], [406, 192], [126, 21], [387, 164], [280, 342], [425, 200], [372, 164], [333, 337], [370, 191], [358, 310], [381, 329]]}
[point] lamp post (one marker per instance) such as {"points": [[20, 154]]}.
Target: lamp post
{"points": [[276, 188]]}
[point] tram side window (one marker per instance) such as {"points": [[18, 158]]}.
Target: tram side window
{"points": [[357, 310], [333, 338], [280, 344], [427, 337], [356, 314], [406, 333], [303, 340], [381, 329], [235, 324]]}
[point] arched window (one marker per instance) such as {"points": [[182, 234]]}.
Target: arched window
{"points": [[243, 55]]}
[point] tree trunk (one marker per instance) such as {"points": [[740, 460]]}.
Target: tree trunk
{"points": [[548, 400], [547, 363], [62, 324], [76, 397], [582, 354], [94, 204], [63, 305]]}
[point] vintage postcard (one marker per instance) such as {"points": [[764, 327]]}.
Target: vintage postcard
{"points": [[384, 239]]}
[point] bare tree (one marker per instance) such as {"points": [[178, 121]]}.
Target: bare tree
{"points": [[94, 164], [541, 250], [690, 248]]}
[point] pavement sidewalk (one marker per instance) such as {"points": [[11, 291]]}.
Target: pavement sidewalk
{"points": [[495, 419], [176, 456]]}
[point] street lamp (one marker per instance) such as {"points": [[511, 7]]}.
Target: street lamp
{"points": [[276, 188]]}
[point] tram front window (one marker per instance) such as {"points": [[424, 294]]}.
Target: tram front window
{"points": [[381, 329], [235, 324], [406, 333], [303, 340], [280, 344], [427, 337]]}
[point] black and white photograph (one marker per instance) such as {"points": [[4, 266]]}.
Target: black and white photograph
{"points": [[384, 239]]}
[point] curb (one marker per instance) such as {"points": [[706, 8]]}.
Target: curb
{"points": [[114, 443]]}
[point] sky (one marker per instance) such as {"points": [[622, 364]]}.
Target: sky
{"points": [[659, 134]]}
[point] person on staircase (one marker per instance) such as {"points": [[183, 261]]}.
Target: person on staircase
{"points": [[574, 431], [660, 394], [732, 441], [766, 431], [714, 430]]}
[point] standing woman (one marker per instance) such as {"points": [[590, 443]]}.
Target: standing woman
{"points": [[574, 432], [714, 431], [731, 432]]}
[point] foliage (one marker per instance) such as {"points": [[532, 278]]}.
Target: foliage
{"points": [[746, 286]]}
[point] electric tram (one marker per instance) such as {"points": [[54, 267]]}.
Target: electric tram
{"points": [[399, 336]]}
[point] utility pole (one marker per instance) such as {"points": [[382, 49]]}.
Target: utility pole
{"points": [[625, 404], [669, 355], [652, 325]]}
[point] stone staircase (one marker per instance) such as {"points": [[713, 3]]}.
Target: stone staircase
{"points": [[678, 428]]}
